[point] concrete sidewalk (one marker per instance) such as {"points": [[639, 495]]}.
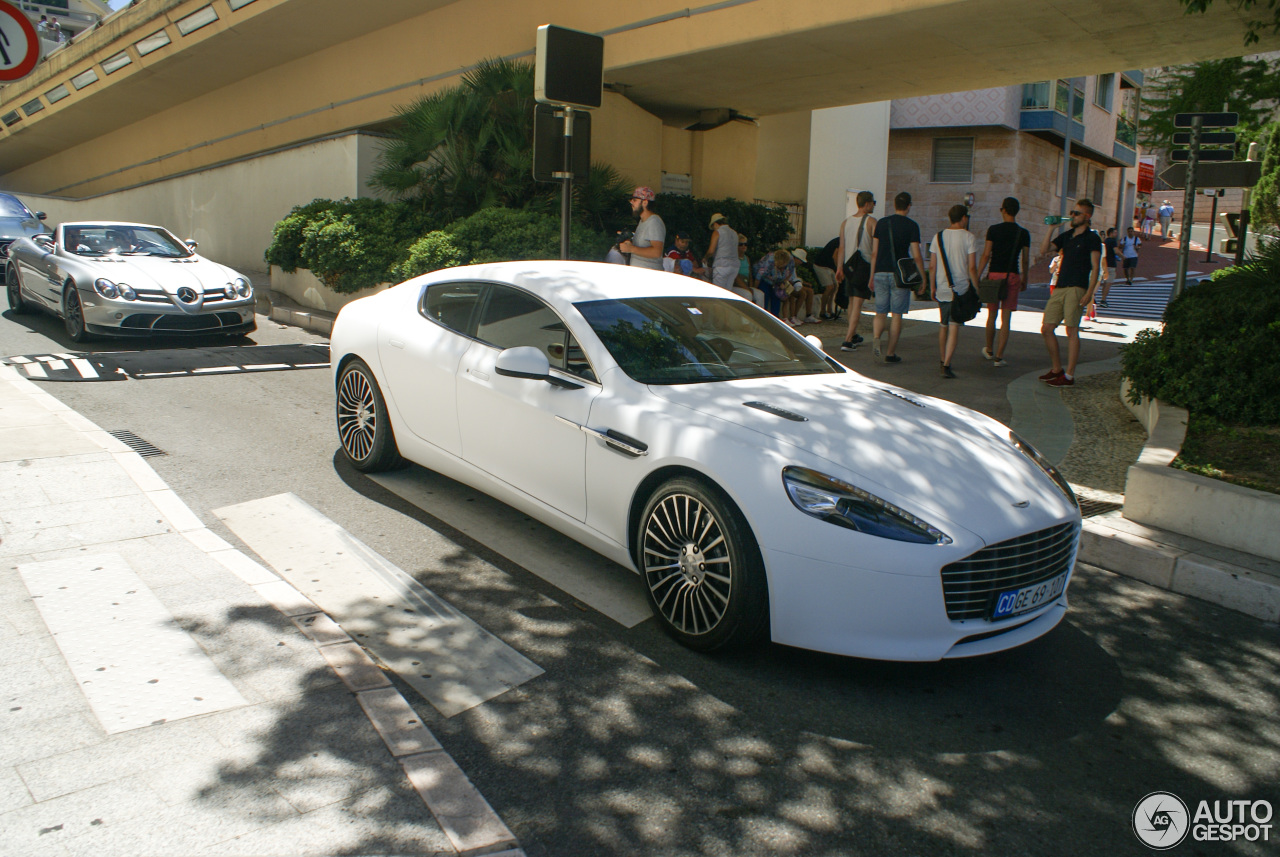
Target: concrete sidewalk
{"points": [[165, 694]]}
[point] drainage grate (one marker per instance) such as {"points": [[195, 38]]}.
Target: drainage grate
{"points": [[1090, 508], [137, 444]]}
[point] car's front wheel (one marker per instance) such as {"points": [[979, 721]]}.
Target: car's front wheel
{"points": [[13, 290], [73, 314], [363, 427], [703, 572]]}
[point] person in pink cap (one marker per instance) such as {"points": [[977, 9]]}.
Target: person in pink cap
{"points": [[650, 236]]}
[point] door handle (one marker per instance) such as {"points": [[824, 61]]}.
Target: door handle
{"points": [[483, 376], [396, 343], [615, 440]]}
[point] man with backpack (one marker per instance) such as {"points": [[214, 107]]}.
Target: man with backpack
{"points": [[952, 273], [854, 271]]}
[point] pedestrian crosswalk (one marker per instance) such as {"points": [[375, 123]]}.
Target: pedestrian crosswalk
{"points": [[1144, 300], [169, 362]]}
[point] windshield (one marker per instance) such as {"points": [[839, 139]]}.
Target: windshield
{"points": [[683, 340], [10, 207], [120, 240]]}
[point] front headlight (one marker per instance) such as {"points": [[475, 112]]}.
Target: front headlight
{"points": [[1043, 463], [848, 506], [106, 288], [243, 289], [229, 291], [126, 292]]}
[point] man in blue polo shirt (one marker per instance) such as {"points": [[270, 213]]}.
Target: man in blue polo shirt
{"points": [[1081, 252]]}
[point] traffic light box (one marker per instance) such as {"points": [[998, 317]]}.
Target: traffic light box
{"points": [[1232, 223]]}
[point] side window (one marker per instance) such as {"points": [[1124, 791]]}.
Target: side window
{"points": [[512, 317], [452, 304]]}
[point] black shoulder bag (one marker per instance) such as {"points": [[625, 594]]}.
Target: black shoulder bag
{"points": [[905, 271], [857, 269], [963, 306]]}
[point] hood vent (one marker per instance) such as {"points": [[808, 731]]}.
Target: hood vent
{"points": [[776, 411], [904, 398]]}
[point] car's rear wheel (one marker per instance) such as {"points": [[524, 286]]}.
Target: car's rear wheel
{"points": [[702, 568], [363, 427], [13, 290], [73, 314]]}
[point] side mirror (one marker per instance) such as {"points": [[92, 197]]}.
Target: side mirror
{"points": [[40, 215], [525, 361], [192, 244]]}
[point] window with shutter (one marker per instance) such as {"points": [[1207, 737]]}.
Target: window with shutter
{"points": [[953, 159]]}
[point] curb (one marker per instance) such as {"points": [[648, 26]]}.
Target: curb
{"points": [[284, 311]]}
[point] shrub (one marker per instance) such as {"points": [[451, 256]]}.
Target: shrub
{"points": [[499, 235], [1217, 354], [766, 227], [433, 251], [349, 244]]}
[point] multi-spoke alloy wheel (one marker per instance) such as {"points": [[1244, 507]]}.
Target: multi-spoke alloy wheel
{"points": [[363, 427], [687, 564], [14, 291], [73, 314], [702, 568]]}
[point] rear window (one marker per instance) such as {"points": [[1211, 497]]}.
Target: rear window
{"points": [[452, 304]]}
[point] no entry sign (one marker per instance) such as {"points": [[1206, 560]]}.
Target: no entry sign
{"points": [[19, 44]]}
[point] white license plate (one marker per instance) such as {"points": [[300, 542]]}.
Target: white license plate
{"points": [[1018, 601]]}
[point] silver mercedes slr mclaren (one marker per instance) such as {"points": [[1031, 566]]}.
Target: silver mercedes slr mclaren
{"points": [[106, 278]]}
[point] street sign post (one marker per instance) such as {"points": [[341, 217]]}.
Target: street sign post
{"points": [[1225, 138], [568, 74], [548, 144], [1197, 122], [1229, 174], [1184, 155], [19, 44], [1207, 120]]}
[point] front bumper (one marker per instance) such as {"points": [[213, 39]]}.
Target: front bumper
{"points": [[847, 609], [137, 318]]}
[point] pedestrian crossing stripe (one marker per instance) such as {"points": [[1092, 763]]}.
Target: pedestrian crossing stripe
{"points": [[169, 363]]}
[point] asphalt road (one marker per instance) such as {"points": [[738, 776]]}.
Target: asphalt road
{"points": [[629, 744]]}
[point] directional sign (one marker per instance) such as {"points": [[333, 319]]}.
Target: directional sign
{"points": [[1224, 138], [19, 44], [568, 67], [1205, 155], [1208, 120], [1230, 174], [548, 144]]}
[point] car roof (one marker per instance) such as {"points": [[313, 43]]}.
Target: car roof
{"points": [[564, 283], [108, 223]]}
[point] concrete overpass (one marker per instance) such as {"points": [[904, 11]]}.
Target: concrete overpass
{"points": [[169, 86]]}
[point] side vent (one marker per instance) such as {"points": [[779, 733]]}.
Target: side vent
{"points": [[776, 411], [904, 398]]}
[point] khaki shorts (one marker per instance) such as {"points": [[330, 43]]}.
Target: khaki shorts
{"points": [[1064, 306]]}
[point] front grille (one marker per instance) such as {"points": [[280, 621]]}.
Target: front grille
{"points": [[173, 321], [968, 586]]}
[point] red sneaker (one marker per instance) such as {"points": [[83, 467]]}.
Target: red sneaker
{"points": [[1050, 375], [1062, 380]]}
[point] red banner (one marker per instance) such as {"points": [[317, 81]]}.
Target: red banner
{"points": [[1146, 176]]}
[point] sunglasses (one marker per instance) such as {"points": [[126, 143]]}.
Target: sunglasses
{"points": [[1077, 213]]}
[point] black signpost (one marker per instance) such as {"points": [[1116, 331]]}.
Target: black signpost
{"points": [[1197, 122], [568, 75]]}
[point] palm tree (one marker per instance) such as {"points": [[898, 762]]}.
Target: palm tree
{"points": [[470, 147]]}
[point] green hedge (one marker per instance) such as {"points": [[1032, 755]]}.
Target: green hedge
{"points": [[349, 244], [1219, 352], [499, 235], [766, 227], [353, 244]]}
